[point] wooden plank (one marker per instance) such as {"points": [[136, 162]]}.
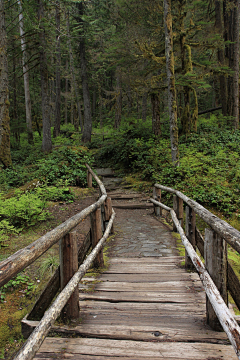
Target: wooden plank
{"points": [[141, 297], [190, 229], [132, 206], [197, 308], [105, 347], [166, 286], [148, 260]]}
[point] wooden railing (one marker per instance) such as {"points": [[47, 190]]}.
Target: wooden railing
{"points": [[217, 275], [69, 272]]}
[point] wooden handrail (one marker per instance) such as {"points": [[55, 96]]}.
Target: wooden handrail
{"points": [[15, 263], [37, 337], [224, 315], [230, 235]]}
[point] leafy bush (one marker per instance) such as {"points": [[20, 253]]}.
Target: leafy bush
{"points": [[65, 163], [53, 193], [23, 210]]}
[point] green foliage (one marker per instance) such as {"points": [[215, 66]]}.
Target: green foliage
{"points": [[21, 281], [209, 170], [23, 210], [53, 193], [65, 163], [50, 263]]}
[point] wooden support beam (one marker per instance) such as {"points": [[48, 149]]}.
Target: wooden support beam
{"points": [[215, 255], [108, 212], [68, 267], [157, 195], [89, 179], [96, 230], [190, 230], [178, 208]]}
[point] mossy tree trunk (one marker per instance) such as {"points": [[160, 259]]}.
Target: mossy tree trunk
{"points": [[47, 141], [172, 102], [144, 106], [231, 23], [57, 122], [25, 77], [5, 154], [156, 123], [221, 57]]}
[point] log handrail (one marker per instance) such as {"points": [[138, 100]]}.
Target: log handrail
{"points": [[224, 315], [229, 233], [37, 337], [15, 263]]}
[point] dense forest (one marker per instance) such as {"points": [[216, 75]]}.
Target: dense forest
{"points": [[148, 87]]}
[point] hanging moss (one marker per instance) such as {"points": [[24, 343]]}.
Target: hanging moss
{"points": [[188, 59]]}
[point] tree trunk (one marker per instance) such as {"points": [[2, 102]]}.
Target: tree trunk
{"points": [[5, 154], [118, 105], [94, 103], [25, 77], [231, 23], [66, 94], [172, 103], [74, 83], [221, 60], [57, 123], [87, 129], [15, 123], [144, 106], [47, 141], [156, 124]]}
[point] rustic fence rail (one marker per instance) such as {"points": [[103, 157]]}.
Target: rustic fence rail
{"points": [[71, 269], [217, 275]]}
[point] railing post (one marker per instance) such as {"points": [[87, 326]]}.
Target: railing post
{"points": [[108, 213], [89, 179], [178, 208], [96, 231], [190, 230], [157, 196], [68, 267], [215, 255]]}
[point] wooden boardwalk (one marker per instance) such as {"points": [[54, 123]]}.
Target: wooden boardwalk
{"points": [[142, 308]]}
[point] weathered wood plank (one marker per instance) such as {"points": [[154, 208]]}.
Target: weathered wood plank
{"points": [[105, 347], [141, 297], [132, 206]]}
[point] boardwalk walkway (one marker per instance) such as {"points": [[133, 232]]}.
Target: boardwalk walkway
{"points": [[145, 305]]}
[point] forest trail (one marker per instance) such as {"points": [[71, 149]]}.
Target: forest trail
{"points": [[145, 305]]}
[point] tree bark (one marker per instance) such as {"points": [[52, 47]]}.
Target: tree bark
{"points": [[66, 94], [231, 23], [47, 141], [73, 82], [25, 77], [221, 57], [118, 106], [172, 102], [58, 77], [5, 154], [156, 124], [87, 130]]}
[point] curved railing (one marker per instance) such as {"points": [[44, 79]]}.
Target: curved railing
{"points": [[215, 273], [24, 257]]}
